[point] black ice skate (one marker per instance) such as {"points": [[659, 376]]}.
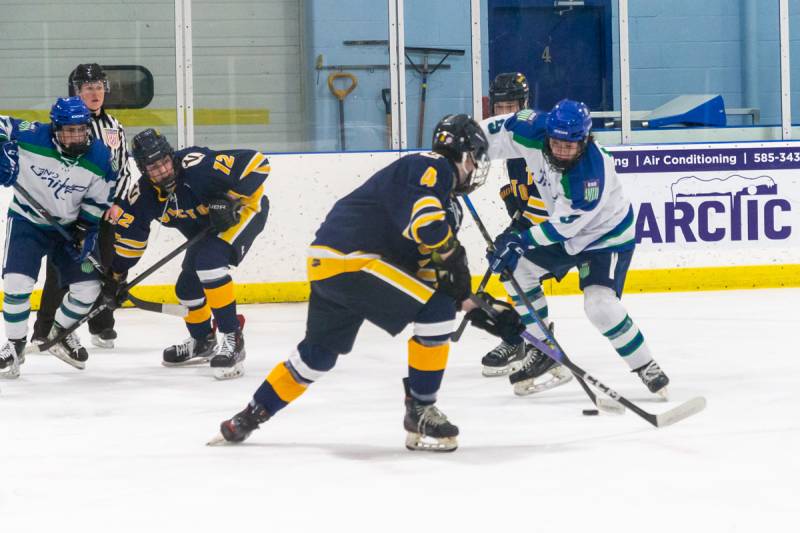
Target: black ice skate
{"points": [[538, 373], [503, 359], [238, 428], [227, 361], [104, 339], [68, 349], [654, 378], [12, 355], [428, 428], [191, 351]]}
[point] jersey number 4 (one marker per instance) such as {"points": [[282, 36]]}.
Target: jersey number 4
{"points": [[429, 178]]}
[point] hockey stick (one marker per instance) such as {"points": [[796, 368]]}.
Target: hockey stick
{"points": [[601, 403], [170, 309], [667, 418], [461, 327], [484, 282], [42, 212], [167, 309], [163, 261], [676, 414]]}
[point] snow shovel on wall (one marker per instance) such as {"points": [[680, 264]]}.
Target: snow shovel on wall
{"points": [[340, 95]]}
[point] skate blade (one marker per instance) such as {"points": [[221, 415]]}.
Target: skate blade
{"points": [[33, 349], [418, 442], [229, 372], [80, 365], [11, 373], [495, 371], [662, 394], [530, 386], [194, 361], [217, 440], [100, 343]]}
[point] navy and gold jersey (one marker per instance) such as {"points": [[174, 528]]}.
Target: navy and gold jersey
{"points": [[399, 214], [528, 198], [202, 175]]}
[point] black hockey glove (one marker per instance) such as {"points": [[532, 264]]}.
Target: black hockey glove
{"points": [[504, 323], [223, 213], [452, 274], [112, 294]]}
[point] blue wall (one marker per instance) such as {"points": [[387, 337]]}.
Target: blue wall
{"points": [[444, 24], [727, 47], [684, 46]]}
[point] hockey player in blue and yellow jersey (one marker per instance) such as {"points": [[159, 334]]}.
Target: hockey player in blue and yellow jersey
{"points": [[193, 190], [71, 175], [509, 93], [388, 253]]}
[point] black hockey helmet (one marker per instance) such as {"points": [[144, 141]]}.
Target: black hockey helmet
{"points": [[86, 73], [149, 147], [509, 87], [458, 137]]}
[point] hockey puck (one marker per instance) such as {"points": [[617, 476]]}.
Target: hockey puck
{"points": [[591, 412]]}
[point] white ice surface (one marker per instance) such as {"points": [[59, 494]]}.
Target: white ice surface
{"points": [[120, 445]]}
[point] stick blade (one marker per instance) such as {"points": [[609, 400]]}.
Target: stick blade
{"points": [[607, 405], [684, 410]]}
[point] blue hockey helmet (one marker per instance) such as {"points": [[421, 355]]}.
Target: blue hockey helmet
{"points": [[71, 112], [569, 121]]}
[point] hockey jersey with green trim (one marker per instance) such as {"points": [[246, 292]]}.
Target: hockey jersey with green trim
{"points": [[587, 206], [68, 188]]}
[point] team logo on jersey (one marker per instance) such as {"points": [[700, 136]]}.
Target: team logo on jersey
{"points": [[526, 114], [583, 270], [111, 137], [191, 159], [591, 190], [53, 181], [26, 125]]}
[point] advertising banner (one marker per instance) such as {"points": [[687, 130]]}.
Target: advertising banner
{"points": [[711, 201]]}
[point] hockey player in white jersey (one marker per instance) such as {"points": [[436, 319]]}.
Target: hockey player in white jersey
{"points": [[71, 175], [590, 226]]}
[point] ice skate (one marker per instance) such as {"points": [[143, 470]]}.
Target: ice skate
{"points": [[503, 359], [191, 351], [68, 349], [238, 428], [227, 361], [538, 374], [428, 428], [654, 378], [12, 355], [37, 339], [104, 339]]}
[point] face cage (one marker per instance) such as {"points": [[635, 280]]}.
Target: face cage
{"points": [[166, 186], [478, 176], [73, 150], [561, 165], [522, 102], [76, 85]]}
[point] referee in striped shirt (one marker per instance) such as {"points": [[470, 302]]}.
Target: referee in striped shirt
{"points": [[90, 83]]}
